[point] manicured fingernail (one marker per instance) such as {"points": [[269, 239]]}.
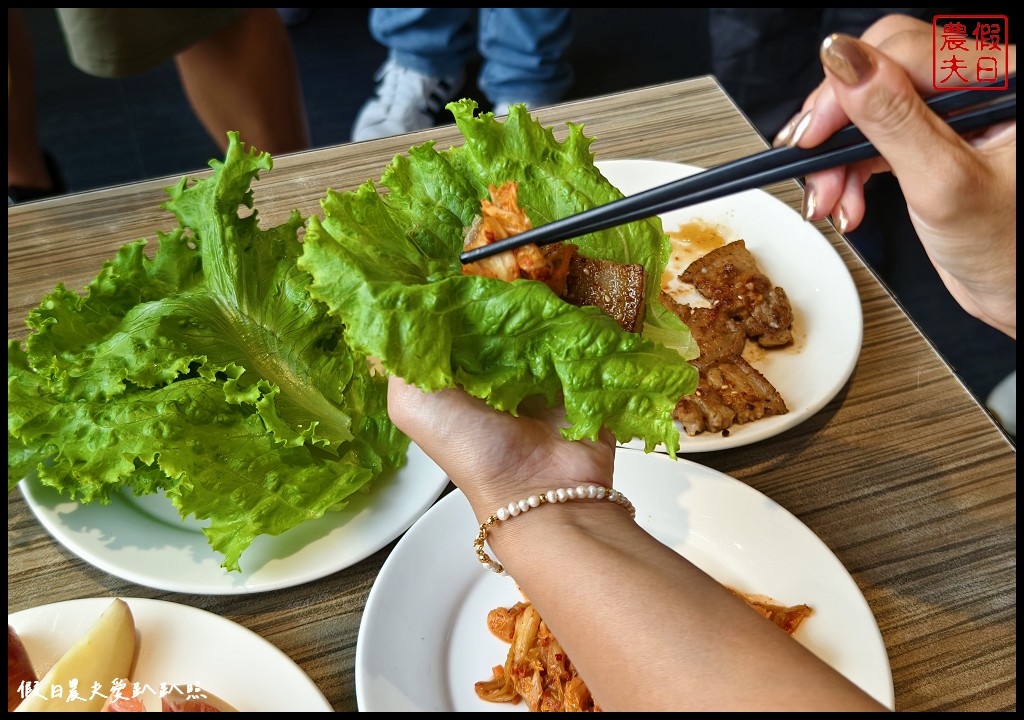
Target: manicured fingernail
{"points": [[845, 57], [785, 132], [801, 127], [842, 218], [810, 201]]}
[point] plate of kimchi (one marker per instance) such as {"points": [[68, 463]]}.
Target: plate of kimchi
{"points": [[438, 627], [771, 305]]}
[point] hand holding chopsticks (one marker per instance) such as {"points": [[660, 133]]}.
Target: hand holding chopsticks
{"points": [[845, 147], [960, 197]]}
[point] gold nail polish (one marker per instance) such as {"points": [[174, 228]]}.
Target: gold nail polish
{"points": [[786, 131], [800, 129], [846, 59], [842, 219], [782, 135], [809, 201]]}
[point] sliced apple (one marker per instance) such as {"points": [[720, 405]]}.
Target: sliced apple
{"points": [[19, 669], [105, 653]]}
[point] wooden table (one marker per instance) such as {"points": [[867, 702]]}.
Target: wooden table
{"points": [[904, 475]]}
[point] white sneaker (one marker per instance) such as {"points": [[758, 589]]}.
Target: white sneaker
{"points": [[501, 106], [405, 101]]}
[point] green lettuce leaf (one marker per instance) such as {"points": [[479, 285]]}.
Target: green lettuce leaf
{"points": [[206, 371], [388, 265]]}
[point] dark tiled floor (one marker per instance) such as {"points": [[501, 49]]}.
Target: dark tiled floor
{"points": [[110, 132]]}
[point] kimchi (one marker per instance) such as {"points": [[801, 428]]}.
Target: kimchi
{"points": [[501, 218], [537, 670], [619, 290]]}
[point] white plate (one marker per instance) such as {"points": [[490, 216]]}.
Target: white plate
{"points": [[179, 644], [136, 544], [828, 326], [423, 640]]}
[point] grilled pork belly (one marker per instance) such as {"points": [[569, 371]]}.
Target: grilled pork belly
{"points": [[619, 290], [728, 392], [744, 304], [730, 278], [717, 335]]}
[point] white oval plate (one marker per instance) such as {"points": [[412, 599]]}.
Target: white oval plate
{"points": [[130, 539], [828, 326], [423, 640], [179, 644]]}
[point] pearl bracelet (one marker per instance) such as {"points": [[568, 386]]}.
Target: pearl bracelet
{"points": [[582, 492]]}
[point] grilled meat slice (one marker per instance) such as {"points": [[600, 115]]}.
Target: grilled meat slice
{"points": [[619, 290], [717, 335], [728, 391], [730, 278], [770, 322], [703, 411], [744, 304]]}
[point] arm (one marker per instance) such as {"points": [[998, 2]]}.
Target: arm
{"points": [[961, 194], [646, 628]]}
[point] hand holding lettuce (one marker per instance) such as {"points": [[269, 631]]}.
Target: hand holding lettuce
{"points": [[388, 265], [230, 368]]}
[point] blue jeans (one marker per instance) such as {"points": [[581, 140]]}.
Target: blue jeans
{"points": [[521, 49]]}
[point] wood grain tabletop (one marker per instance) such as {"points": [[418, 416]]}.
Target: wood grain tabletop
{"points": [[903, 475]]}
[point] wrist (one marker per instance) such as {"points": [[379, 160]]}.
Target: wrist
{"points": [[487, 501], [523, 531]]}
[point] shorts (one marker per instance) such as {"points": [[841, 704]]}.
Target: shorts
{"points": [[113, 42]]}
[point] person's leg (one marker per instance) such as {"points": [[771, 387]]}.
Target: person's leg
{"points": [[524, 55], [432, 41], [428, 49], [245, 78], [26, 167], [122, 42]]}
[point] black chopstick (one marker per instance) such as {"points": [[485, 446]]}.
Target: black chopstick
{"points": [[775, 165]]}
